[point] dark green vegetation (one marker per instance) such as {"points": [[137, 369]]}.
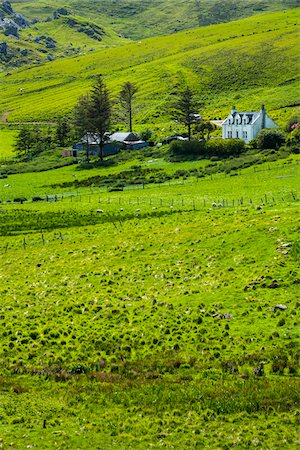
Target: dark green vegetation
{"points": [[149, 318], [247, 51]]}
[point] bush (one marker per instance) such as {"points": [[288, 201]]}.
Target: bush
{"points": [[292, 124], [184, 148], [213, 149], [270, 139], [293, 139], [145, 135], [20, 200], [225, 148]]}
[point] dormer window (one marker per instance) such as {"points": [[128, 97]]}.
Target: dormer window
{"points": [[237, 121], [245, 121]]}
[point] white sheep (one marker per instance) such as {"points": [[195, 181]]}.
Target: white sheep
{"points": [[100, 211], [213, 204]]}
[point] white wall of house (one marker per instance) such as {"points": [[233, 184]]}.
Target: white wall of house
{"points": [[246, 125]]}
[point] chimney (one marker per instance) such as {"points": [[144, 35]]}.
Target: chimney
{"points": [[263, 118], [233, 110]]}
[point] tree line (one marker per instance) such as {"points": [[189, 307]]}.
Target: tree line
{"points": [[93, 114]]}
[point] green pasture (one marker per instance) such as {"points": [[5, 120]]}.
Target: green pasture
{"points": [[273, 177], [250, 48], [147, 318], [7, 140]]}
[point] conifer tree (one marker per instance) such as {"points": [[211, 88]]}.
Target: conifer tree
{"points": [[185, 109], [127, 93], [99, 112]]}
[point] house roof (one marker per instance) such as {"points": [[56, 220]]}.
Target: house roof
{"points": [[122, 137], [251, 116], [93, 139]]}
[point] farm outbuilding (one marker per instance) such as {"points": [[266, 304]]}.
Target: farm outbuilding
{"points": [[115, 142]]}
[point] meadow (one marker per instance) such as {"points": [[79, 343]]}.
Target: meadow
{"points": [[7, 141], [149, 318], [247, 50]]}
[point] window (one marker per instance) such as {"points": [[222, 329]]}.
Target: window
{"points": [[245, 135], [237, 134], [229, 134]]}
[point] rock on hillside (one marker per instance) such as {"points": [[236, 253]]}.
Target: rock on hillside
{"points": [[18, 47]]}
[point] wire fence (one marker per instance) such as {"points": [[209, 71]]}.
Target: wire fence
{"points": [[117, 211], [80, 193]]}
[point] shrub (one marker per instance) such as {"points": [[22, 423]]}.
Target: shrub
{"points": [[293, 124], [183, 148], [213, 149], [20, 200], [225, 148], [272, 138], [293, 139]]}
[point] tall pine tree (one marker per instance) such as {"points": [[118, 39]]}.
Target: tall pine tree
{"points": [[127, 93], [99, 112]]}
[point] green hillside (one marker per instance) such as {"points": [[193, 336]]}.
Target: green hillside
{"points": [[145, 18], [246, 63], [26, 40], [42, 31]]}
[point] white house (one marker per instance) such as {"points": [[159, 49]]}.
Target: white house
{"points": [[246, 125]]}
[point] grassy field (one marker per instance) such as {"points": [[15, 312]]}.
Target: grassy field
{"points": [[147, 318], [247, 51], [7, 140]]}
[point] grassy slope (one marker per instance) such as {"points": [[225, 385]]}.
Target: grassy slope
{"points": [[7, 139], [69, 41], [247, 50], [139, 19], [142, 299]]}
